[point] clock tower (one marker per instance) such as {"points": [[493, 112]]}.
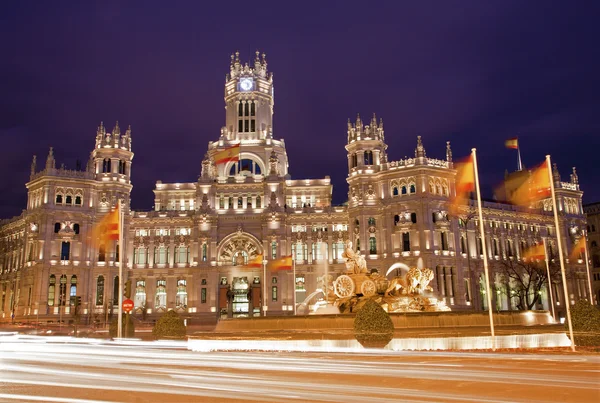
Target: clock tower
{"points": [[248, 100]]}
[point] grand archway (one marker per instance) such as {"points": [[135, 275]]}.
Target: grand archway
{"points": [[238, 248]]}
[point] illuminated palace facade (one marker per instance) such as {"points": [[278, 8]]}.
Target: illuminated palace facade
{"points": [[190, 252]]}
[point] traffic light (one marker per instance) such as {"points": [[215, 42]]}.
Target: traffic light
{"points": [[128, 289]]}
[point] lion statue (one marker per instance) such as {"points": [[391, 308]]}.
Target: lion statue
{"points": [[396, 287], [417, 280]]}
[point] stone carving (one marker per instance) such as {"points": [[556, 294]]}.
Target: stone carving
{"points": [[355, 262], [417, 280]]}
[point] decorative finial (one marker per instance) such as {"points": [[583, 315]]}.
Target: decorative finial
{"points": [[555, 173], [33, 165], [116, 130], [420, 150], [448, 152], [574, 177]]}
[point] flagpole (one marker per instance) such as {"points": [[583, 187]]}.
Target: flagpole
{"points": [[560, 252], [484, 247], [519, 164], [587, 269], [120, 319], [549, 279], [294, 283]]}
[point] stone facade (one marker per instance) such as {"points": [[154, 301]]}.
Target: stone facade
{"points": [[191, 252], [592, 212]]}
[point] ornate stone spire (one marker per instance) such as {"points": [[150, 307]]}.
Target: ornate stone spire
{"points": [[90, 164], [50, 163], [273, 162], [33, 166], [206, 167], [420, 150], [359, 123], [574, 177], [555, 173], [448, 152]]}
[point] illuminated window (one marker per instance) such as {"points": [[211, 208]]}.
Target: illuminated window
{"points": [[273, 250], [140, 294], [100, 291], [204, 252], [372, 246], [160, 301], [51, 290], [274, 293], [73, 290], [203, 296], [181, 297], [161, 254]]}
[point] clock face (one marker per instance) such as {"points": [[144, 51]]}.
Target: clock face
{"points": [[246, 84]]}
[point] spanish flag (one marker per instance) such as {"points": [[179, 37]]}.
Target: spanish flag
{"points": [[256, 262], [512, 143], [228, 154], [535, 188], [465, 184], [578, 251], [107, 229], [536, 252], [284, 263]]}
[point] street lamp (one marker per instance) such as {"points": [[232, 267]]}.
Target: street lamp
{"points": [[264, 262]]}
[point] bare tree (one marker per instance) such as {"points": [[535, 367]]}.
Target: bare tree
{"points": [[524, 280]]}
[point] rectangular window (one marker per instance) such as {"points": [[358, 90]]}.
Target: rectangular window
{"points": [[444, 237], [300, 283], [406, 242], [246, 126], [274, 250], [203, 296], [240, 126], [252, 125], [65, 251], [274, 293]]}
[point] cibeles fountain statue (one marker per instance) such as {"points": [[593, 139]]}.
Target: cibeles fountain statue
{"points": [[408, 293]]}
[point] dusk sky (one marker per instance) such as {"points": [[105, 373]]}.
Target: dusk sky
{"points": [[472, 72]]}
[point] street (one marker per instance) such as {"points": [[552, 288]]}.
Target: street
{"points": [[34, 368]]}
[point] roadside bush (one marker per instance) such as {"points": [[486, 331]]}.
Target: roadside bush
{"points": [[373, 326], [128, 331], [586, 323], [170, 325]]}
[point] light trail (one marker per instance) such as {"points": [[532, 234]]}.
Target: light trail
{"points": [[168, 372]]}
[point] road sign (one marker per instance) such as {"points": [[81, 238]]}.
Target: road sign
{"points": [[127, 305]]}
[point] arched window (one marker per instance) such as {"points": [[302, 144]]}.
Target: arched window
{"points": [[100, 291], [204, 252], [57, 227], [230, 200], [63, 290], [51, 289], [395, 191], [73, 290], [249, 202], [102, 253], [495, 246], [403, 189], [69, 199], [372, 246], [160, 300], [463, 245], [59, 199], [396, 219], [368, 157], [245, 167], [140, 294], [357, 223], [181, 297], [371, 221], [240, 202], [413, 188], [76, 228], [258, 202]]}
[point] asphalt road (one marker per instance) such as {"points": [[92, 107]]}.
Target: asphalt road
{"points": [[39, 369]]}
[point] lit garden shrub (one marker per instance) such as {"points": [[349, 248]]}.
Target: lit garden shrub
{"points": [[128, 329], [373, 326], [586, 324], [170, 325]]}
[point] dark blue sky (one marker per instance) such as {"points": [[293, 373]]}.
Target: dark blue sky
{"points": [[472, 72]]}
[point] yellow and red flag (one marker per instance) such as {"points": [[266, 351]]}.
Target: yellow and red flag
{"points": [[465, 183], [227, 155], [536, 252], [107, 229], [256, 262], [535, 188], [284, 263], [512, 143], [578, 251]]}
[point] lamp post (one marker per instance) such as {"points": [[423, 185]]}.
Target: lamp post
{"points": [[264, 286]]}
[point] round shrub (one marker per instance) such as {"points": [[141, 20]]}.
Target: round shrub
{"points": [[586, 323], [128, 331], [373, 326], [170, 325]]}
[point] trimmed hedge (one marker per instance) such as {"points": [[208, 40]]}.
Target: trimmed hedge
{"points": [[170, 325], [586, 323], [373, 326], [128, 331]]}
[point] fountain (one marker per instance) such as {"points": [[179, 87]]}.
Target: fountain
{"points": [[408, 293]]}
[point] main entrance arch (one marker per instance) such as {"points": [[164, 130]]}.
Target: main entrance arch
{"points": [[238, 248]]}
